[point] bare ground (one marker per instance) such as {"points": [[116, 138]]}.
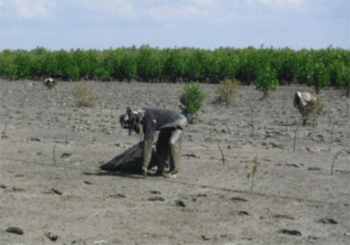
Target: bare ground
{"points": [[52, 190]]}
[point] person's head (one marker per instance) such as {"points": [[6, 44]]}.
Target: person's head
{"points": [[130, 121]]}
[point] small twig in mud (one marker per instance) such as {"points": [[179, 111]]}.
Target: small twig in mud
{"points": [[3, 133], [252, 116], [251, 120], [24, 111], [335, 123], [56, 191], [24, 100], [80, 120], [295, 137], [57, 95], [66, 130], [210, 131], [348, 116], [222, 154], [254, 169], [335, 157], [329, 118], [111, 119], [54, 154]]}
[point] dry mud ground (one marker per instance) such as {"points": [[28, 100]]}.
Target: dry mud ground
{"points": [[46, 191]]}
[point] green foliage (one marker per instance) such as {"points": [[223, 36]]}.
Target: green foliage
{"points": [[318, 68], [266, 80], [226, 90], [192, 97], [225, 63], [23, 63], [150, 63], [39, 51], [128, 65], [66, 68], [195, 64], [94, 57], [174, 64], [318, 75], [50, 66], [80, 58], [36, 69], [101, 73], [344, 77], [7, 66], [286, 66], [302, 61], [121, 63]]}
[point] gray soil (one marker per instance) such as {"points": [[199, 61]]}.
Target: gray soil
{"points": [[52, 189]]}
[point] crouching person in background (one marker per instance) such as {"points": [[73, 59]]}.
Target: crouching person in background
{"points": [[308, 105], [168, 147]]}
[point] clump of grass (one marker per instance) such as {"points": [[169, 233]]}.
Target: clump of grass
{"points": [[192, 97], [84, 95], [312, 110], [226, 91]]}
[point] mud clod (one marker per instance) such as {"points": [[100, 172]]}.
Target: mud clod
{"points": [[35, 139], [290, 232], [190, 155], [15, 230], [65, 155], [51, 236], [238, 199], [206, 238], [329, 221], [242, 213], [180, 203], [118, 195], [156, 198], [156, 192], [56, 191], [202, 195], [87, 182], [17, 189], [283, 216]]}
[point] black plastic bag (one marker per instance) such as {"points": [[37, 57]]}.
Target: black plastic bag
{"points": [[130, 160]]}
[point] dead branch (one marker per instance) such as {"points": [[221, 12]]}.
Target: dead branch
{"points": [[222, 154], [295, 137], [54, 154], [335, 157]]}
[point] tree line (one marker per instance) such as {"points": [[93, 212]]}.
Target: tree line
{"points": [[265, 67]]}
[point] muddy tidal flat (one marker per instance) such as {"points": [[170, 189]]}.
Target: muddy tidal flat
{"points": [[52, 192]]}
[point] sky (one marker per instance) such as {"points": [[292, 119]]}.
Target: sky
{"points": [[206, 24]]}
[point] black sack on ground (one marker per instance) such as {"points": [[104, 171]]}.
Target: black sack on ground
{"points": [[130, 161]]}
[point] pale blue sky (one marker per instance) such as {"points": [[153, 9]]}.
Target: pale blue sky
{"points": [[101, 24]]}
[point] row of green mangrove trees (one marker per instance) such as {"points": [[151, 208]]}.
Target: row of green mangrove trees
{"points": [[266, 67]]}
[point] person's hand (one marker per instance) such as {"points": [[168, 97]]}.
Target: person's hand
{"points": [[144, 171]]}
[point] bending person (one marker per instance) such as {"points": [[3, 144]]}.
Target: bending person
{"points": [[170, 124]]}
